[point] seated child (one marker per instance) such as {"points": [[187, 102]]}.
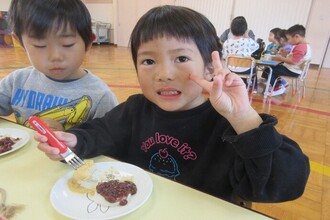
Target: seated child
{"points": [[292, 62], [55, 87], [227, 34], [240, 45], [273, 47], [285, 47], [219, 145]]}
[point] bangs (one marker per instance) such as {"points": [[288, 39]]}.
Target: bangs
{"points": [[177, 22], [171, 25], [38, 18], [43, 22]]}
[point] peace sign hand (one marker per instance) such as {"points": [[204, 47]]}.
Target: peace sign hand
{"points": [[229, 97]]}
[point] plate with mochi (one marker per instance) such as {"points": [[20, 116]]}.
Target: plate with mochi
{"points": [[91, 192]]}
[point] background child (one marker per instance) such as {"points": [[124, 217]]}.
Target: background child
{"points": [[227, 34], [220, 145], [274, 46], [56, 38], [285, 47], [240, 45], [292, 62]]}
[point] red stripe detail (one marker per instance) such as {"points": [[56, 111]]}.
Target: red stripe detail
{"points": [[297, 107]]}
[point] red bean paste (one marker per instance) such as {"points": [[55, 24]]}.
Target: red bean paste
{"points": [[6, 144], [116, 191]]}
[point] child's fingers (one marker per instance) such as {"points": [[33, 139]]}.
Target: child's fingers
{"points": [[40, 138], [226, 78], [216, 62], [46, 148], [201, 82], [218, 68]]}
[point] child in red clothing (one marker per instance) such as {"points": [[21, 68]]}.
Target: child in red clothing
{"points": [[291, 63]]}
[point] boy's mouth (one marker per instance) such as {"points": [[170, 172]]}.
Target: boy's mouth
{"points": [[56, 70], [169, 92]]}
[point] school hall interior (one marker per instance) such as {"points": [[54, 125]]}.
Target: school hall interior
{"points": [[304, 116]]}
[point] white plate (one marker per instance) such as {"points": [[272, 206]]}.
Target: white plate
{"points": [[79, 206], [15, 133]]}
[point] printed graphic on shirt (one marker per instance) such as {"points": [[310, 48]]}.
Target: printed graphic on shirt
{"points": [[68, 113], [34, 100], [162, 162]]}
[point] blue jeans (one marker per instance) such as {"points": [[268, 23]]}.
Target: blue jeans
{"points": [[278, 70]]}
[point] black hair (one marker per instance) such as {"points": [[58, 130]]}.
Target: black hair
{"points": [[178, 22], [38, 17], [239, 18], [280, 34], [296, 29], [275, 30], [238, 26]]}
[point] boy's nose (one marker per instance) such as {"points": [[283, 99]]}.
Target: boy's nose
{"points": [[165, 73], [55, 54]]}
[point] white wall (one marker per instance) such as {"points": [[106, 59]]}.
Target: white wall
{"points": [[218, 12], [101, 12], [4, 5], [326, 61], [318, 23], [318, 31]]}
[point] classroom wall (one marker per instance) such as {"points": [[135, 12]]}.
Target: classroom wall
{"points": [[318, 23], [314, 14], [101, 12], [318, 32], [4, 5]]}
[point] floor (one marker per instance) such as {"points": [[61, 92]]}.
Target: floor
{"points": [[304, 118]]}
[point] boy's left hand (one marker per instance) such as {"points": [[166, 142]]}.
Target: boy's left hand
{"points": [[227, 92], [229, 96]]}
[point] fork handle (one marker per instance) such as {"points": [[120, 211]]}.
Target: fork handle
{"points": [[43, 129]]}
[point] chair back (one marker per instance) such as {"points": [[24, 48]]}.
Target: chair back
{"points": [[305, 67], [240, 61], [236, 62], [300, 81]]}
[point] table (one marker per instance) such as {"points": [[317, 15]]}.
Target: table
{"points": [[267, 64], [28, 175]]}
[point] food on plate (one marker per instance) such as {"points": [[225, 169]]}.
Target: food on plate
{"points": [[6, 143], [82, 174], [106, 187], [115, 191]]}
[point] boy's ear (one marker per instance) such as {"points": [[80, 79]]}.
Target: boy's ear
{"points": [[297, 36], [88, 47]]}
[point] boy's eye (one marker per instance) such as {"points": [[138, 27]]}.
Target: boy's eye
{"points": [[148, 62], [39, 46], [182, 59], [68, 45]]}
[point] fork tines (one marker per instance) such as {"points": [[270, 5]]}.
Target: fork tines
{"points": [[72, 159]]}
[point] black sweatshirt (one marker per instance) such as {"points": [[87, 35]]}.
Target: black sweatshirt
{"points": [[200, 149]]}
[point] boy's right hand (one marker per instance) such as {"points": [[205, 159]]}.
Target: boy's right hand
{"points": [[70, 140], [53, 124]]}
